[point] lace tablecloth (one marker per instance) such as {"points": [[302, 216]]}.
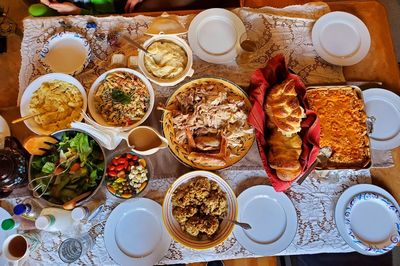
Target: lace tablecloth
{"points": [[285, 31]]}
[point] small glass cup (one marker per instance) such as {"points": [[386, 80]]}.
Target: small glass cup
{"points": [[72, 249], [250, 43]]}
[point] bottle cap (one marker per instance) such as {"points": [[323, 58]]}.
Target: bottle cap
{"points": [[9, 224], [44, 221], [78, 214], [20, 209]]}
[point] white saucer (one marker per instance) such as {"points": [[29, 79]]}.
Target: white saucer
{"points": [[214, 35], [4, 234], [384, 106], [134, 233], [341, 38], [368, 220], [272, 217]]}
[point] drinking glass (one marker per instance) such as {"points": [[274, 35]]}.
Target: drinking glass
{"points": [[72, 249], [250, 43]]}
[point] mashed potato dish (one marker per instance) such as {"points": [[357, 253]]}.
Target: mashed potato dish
{"points": [[173, 62], [59, 102], [198, 207]]}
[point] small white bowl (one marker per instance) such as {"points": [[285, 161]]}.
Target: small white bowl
{"points": [[187, 72], [92, 105], [34, 86]]}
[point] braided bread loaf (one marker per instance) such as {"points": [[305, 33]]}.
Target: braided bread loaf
{"points": [[283, 155], [283, 108], [284, 115]]}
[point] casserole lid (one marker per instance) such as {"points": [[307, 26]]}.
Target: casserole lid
{"points": [[167, 25]]}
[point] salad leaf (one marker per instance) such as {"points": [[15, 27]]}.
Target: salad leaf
{"points": [[93, 174], [63, 144], [81, 144], [48, 168], [37, 163], [120, 97], [100, 166]]}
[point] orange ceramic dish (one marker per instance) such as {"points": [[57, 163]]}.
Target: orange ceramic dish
{"points": [[225, 227]]}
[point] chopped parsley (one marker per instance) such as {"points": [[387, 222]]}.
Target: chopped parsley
{"points": [[120, 97]]}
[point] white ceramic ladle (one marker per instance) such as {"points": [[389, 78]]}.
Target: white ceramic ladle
{"points": [[142, 140]]}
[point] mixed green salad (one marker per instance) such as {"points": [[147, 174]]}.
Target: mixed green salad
{"points": [[72, 167]]}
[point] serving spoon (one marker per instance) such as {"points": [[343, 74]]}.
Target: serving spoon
{"points": [[156, 57], [322, 159], [245, 226]]}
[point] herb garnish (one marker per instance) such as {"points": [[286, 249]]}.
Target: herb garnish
{"points": [[120, 97]]}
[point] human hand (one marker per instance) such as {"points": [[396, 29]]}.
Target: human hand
{"points": [[65, 8], [130, 5], [46, 2]]}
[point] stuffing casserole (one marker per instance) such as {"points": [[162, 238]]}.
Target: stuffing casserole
{"points": [[198, 207]]}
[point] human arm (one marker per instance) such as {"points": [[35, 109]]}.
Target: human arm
{"points": [[130, 5], [66, 8]]}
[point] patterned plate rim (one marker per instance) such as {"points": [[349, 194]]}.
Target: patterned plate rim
{"points": [[45, 50], [394, 239]]}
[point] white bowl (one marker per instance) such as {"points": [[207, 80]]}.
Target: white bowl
{"points": [[92, 105], [34, 86], [187, 72]]}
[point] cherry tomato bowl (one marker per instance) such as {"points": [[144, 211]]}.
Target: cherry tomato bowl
{"points": [[127, 174]]}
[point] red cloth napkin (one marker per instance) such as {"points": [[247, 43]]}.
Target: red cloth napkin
{"points": [[262, 80]]}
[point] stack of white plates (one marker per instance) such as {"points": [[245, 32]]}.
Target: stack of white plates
{"points": [[368, 219], [134, 233], [214, 35], [272, 218]]}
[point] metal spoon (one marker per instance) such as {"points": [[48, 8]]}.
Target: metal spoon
{"points": [[322, 159], [156, 57], [245, 226]]}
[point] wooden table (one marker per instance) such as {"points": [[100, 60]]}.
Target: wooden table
{"points": [[379, 65]]}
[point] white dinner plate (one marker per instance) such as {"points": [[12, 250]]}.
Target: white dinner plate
{"points": [[214, 35], [4, 234], [34, 86], [134, 233], [341, 38], [380, 235], [384, 106], [272, 218], [369, 220], [66, 52]]}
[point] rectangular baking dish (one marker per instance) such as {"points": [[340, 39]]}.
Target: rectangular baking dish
{"points": [[368, 163]]}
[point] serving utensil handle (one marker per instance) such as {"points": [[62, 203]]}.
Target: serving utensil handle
{"points": [[126, 38], [245, 226], [307, 173], [15, 121]]}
